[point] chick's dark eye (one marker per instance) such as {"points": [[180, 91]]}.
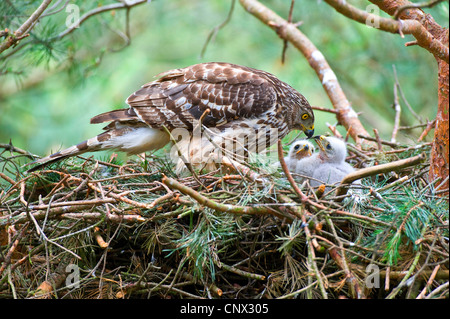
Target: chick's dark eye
{"points": [[296, 147], [306, 147], [328, 147]]}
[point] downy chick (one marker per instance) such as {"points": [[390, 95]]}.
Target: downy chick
{"points": [[299, 150], [332, 167]]}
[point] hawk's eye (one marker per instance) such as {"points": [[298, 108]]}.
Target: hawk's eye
{"points": [[296, 147], [305, 116]]}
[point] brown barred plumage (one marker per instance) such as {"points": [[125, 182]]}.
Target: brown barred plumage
{"points": [[240, 101]]}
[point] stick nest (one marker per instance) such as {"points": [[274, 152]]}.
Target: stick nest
{"points": [[90, 229]]}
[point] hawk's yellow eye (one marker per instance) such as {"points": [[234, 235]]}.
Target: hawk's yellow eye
{"points": [[305, 116]]}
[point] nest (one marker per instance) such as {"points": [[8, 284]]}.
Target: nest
{"points": [[85, 228]]}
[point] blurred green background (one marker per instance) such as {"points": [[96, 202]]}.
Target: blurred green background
{"points": [[50, 90]]}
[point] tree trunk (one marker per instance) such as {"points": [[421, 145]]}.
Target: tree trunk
{"points": [[440, 152], [439, 163]]}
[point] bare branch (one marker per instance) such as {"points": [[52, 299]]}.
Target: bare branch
{"points": [[424, 38], [374, 170], [25, 27], [430, 4], [347, 116], [213, 33], [397, 107], [84, 17], [225, 208]]}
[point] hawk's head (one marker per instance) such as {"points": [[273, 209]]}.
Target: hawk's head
{"points": [[303, 117]]}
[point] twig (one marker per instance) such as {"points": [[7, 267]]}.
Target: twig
{"points": [[333, 130], [423, 37], [417, 116], [213, 33], [115, 6], [89, 202], [341, 261], [243, 170], [377, 137], [45, 238], [285, 42], [429, 4], [297, 190], [7, 178], [99, 239], [437, 290], [114, 218], [397, 289], [53, 212], [121, 198], [7, 258], [429, 282], [397, 108], [430, 126], [324, 109], [225, 208], [240, 272], [351, 279], [10, 147], [25, 27], [312, 261], [393, 184], [379, 169], [369, 138]]}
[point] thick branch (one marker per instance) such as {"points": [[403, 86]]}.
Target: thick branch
{"points": [[225, 208], [288, 31], [378, 169], [424, 38]]}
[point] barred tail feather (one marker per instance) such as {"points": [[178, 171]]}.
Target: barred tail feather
{"points": [[122, 114], [90, 145], [132, 140]]}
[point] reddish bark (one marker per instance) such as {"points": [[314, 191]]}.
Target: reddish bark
{"points": [[440, 152], [439, 163]]}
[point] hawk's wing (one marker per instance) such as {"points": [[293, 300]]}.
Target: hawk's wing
{"points": [[181, 96]]}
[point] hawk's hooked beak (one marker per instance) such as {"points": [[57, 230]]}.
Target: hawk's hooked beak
{"points": [[309, 133]]}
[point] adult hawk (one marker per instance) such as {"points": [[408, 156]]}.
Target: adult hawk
{"points": [[222, 102]]}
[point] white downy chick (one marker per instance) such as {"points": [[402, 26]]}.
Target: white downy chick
{"points": [[332, 167], [299, 150]]}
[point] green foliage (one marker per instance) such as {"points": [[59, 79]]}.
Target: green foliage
{"points": [[200, 246], [293, 238], [410, 212]]}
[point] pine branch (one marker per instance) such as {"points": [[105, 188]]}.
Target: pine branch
{"points": [[20, 33]]}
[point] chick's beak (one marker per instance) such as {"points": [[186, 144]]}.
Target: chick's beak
{"points": [[305, 151], [319, 140]]}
